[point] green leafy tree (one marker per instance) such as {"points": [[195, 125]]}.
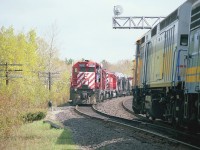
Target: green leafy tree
{"points": [[29, 92], [69, 61]]}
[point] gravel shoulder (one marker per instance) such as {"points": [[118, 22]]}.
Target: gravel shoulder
{"points": [[91, 134]]}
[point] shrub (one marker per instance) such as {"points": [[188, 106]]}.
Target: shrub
{"points": [[33, 116]]}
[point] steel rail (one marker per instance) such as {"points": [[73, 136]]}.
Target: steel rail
{"points": [[162, 124], [131, 124], [143, 122]]}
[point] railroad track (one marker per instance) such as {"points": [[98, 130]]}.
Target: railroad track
{"points": [[127, 106], [140, 126]]}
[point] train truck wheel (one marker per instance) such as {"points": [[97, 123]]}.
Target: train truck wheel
{"points": [[100, 97], [153, 118], [147, 115], [136, 111]]}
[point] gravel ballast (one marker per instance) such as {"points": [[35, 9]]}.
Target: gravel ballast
{"points": [[91, 134], [114, 107]]}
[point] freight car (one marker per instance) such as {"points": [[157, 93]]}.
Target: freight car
{"points": [[167, 68], [124, 84], [90, 83]]}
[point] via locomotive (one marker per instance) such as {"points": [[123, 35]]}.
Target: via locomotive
{"points": [[90, 83], [167, 68]]}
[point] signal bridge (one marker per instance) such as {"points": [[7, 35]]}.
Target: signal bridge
{"points": [[135, 22]]}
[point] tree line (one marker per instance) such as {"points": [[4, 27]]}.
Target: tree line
{"points": [[31, 74], [123, 66]]}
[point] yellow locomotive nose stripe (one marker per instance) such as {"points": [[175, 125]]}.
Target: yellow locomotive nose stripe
{"points": [[193, 70], [193, 74], [193, 78]]}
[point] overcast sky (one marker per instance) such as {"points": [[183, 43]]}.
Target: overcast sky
{"points": [[85, 26]]}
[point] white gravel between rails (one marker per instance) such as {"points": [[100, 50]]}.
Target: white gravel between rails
{"points": [[114, 107], [91, 134]]}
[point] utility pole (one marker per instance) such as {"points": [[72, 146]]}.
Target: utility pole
{"points": [[8, 71], [49, 76], [7, 81]]}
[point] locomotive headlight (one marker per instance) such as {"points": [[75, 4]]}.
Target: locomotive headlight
{"points": [[75, 90], [93, 90]]}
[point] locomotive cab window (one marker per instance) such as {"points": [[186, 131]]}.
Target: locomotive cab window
{"points": [[184, 40], [82, 69], [91, 69]]}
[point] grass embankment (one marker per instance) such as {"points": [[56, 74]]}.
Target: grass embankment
{"points": [[40, 136]]}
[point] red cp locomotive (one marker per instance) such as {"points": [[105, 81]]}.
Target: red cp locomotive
{"points": [[90, 83]]}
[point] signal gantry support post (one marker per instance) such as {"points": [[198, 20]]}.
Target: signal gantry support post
{"points": [[137, 22]]}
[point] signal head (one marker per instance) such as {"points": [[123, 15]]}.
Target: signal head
{"points": [[118, 10]]}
